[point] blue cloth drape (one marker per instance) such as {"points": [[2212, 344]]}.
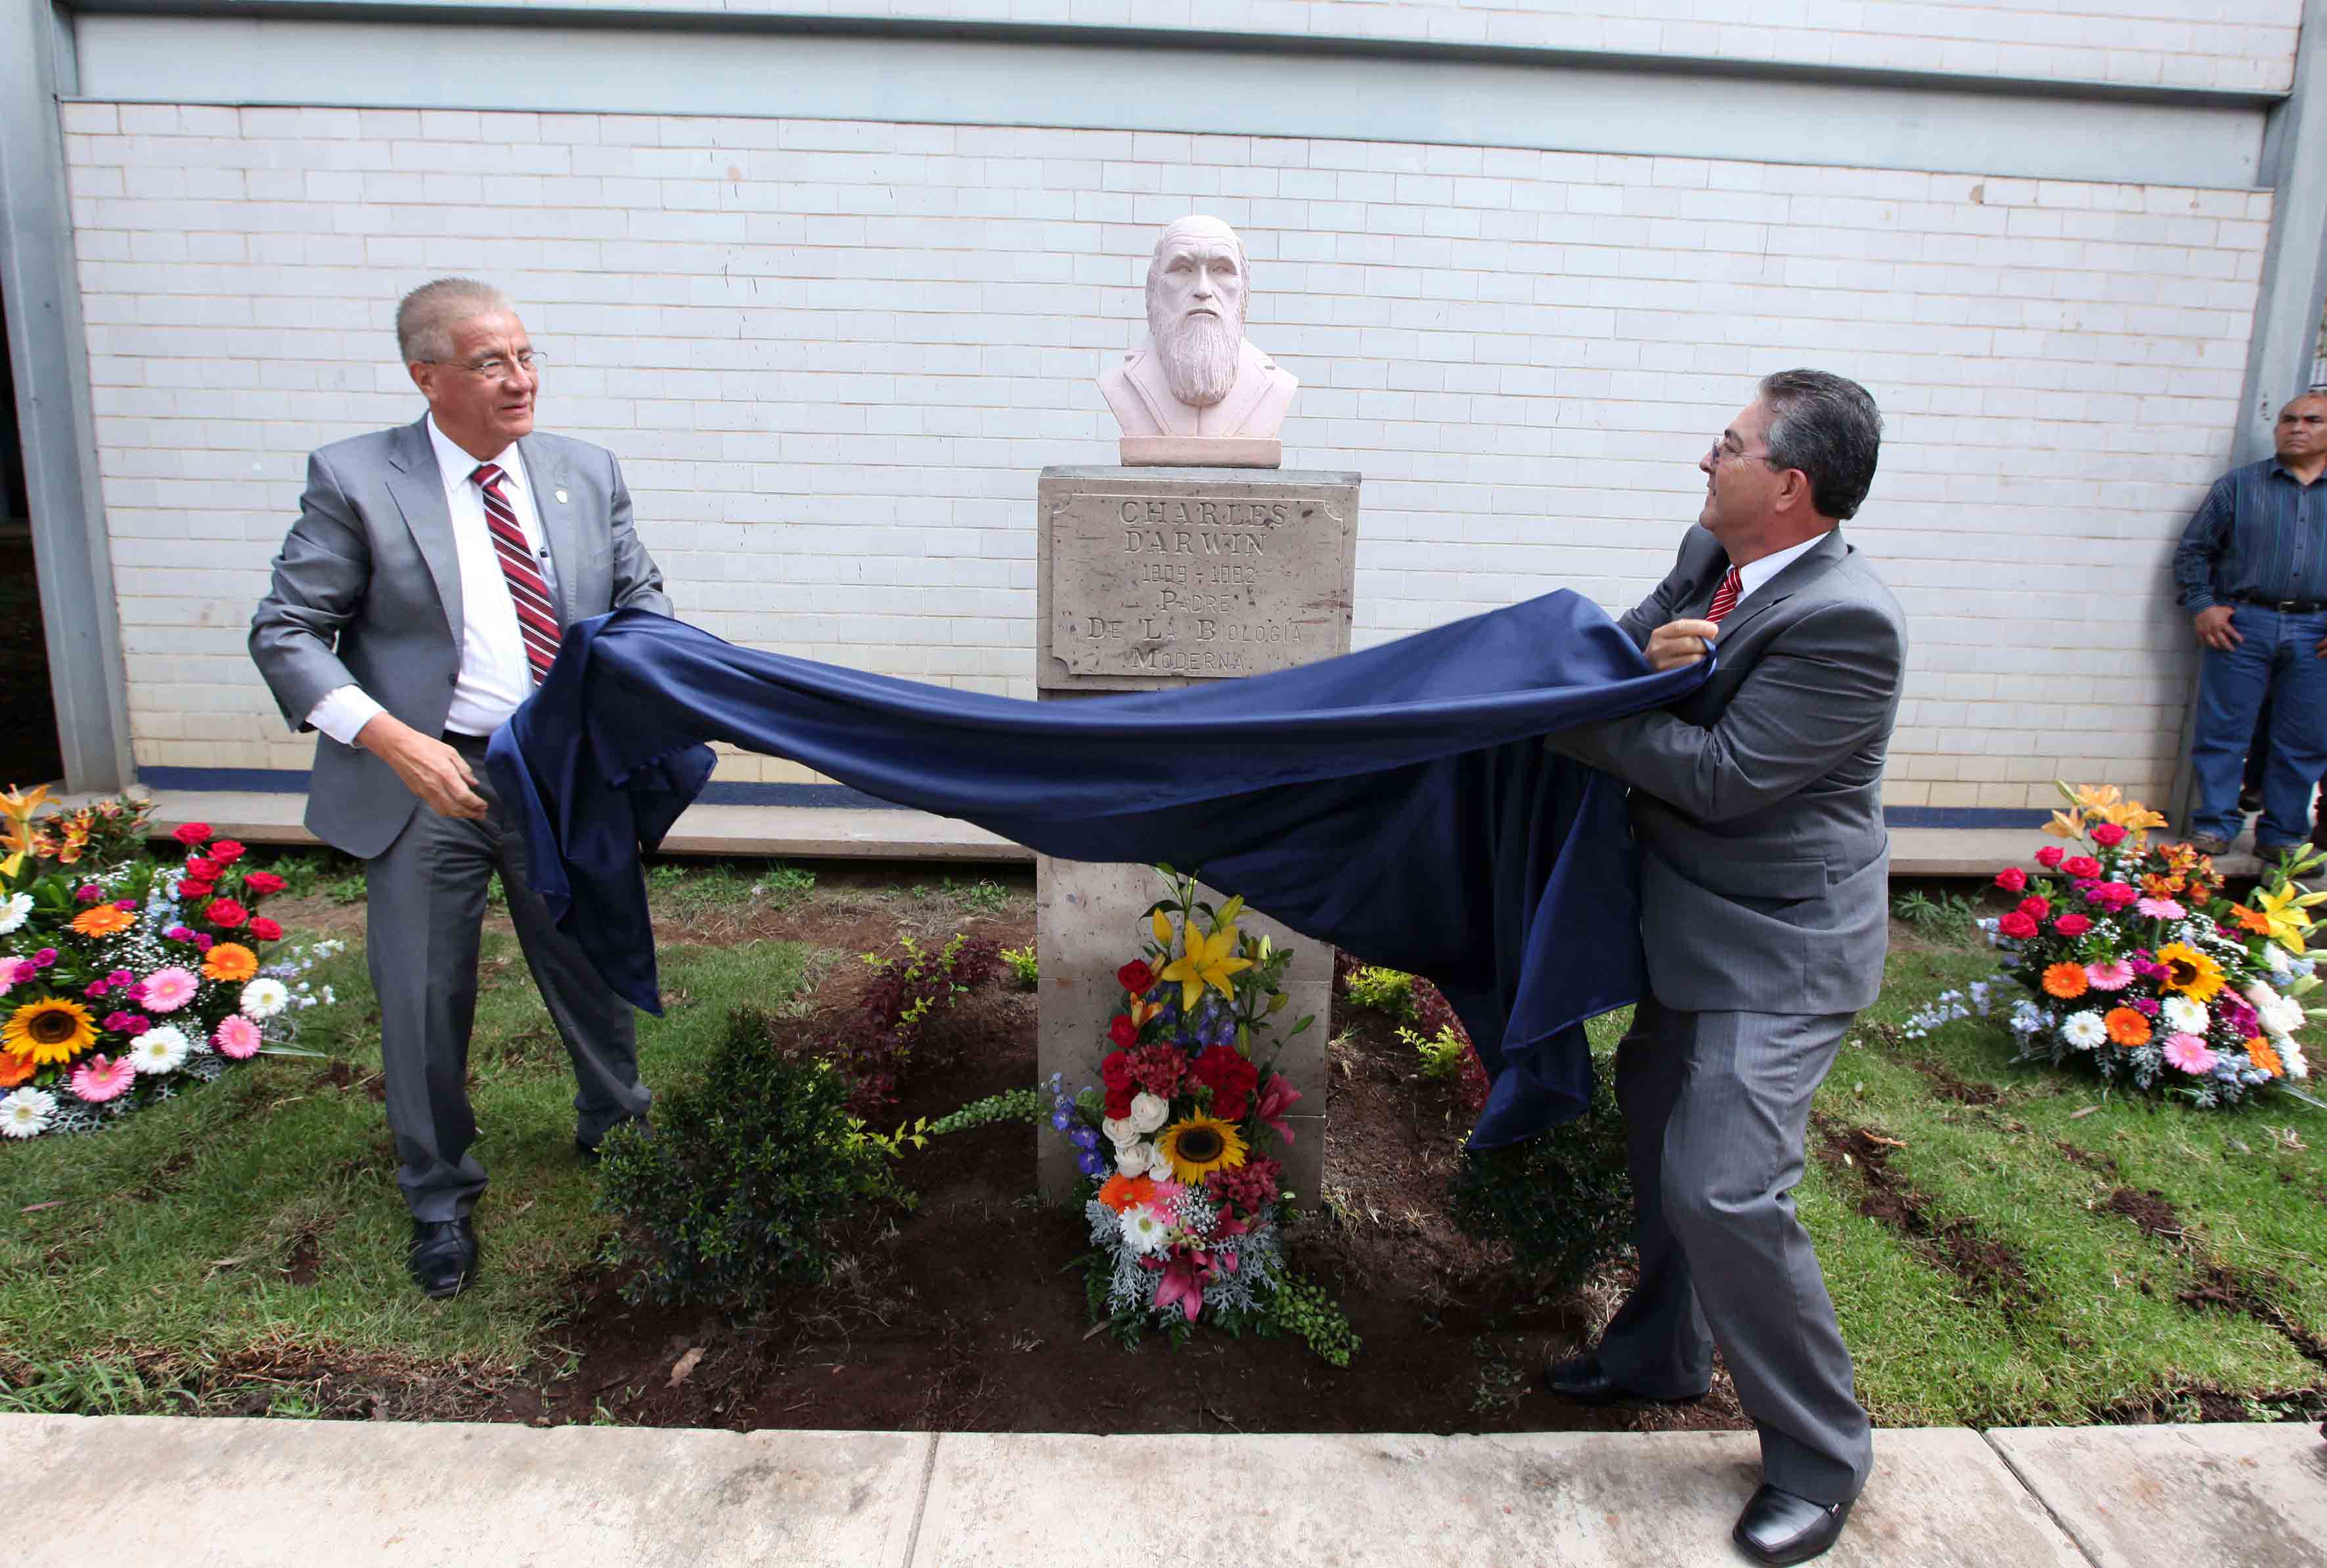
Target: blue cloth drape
{"points": [[1396, 802]]}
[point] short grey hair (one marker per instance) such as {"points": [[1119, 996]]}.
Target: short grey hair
{"points": [[1827, 426], [425, 318]]}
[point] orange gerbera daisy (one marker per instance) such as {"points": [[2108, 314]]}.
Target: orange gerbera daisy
{"points": [[15, 1068], [102, 920], [230, 961], [1121, 1192], [2264, 1059], [2250, 920], [2126, 1027], [2065, 981]]}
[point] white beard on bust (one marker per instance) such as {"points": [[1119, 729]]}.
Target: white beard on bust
{"points": [[1198, 355]]}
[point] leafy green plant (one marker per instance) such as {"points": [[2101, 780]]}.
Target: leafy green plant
{"points": [[1390, 991], [979, 898], [741, 1184], [911, 986], [1442, 1054], [1024, 972], [1300, 1308], [1949, 918], [1561, 1202], [1010, 1105], [781, 886], [347, 890]]}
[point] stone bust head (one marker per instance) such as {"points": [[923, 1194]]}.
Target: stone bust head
{"points": [[1195, 376]]}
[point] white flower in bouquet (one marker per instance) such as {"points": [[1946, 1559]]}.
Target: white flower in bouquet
{"points": [[2184, 1016], [1149, 1112], [1119, 1131], [1145, 1231], [265, 998], [2085, 1031], [2282, 964], [1133, 1159], [2280, 1015], [26, 1113], [2291, 1057], [1159, 1163], [160, 1051], [15, 910], [2027, 1018]]}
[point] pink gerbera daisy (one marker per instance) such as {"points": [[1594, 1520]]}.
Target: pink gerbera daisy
{"points": [[2190, 1053], [98, 1079], [237, 1037], [167, 990], [2162, 910], [2115, 975]]}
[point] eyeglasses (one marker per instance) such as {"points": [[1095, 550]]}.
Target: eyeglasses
{"points": [[1717, 453], [494, 366]]}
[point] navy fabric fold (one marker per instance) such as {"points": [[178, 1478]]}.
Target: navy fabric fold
{"points": [[1396, 802]]}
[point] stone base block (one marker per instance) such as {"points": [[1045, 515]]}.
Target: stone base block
{"points": [[1200, 451]]}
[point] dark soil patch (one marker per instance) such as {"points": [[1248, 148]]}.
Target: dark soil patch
{"points": [[2149, 1210], [2229, 1290], [1950, 1086], [343, 1075], [1953, 1241], [304, 1260], [2204, 1403], [2089, 1158], [967, 1313]]}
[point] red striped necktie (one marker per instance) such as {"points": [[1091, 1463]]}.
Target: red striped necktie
{"points": [[1724, 598], [536, 618]]}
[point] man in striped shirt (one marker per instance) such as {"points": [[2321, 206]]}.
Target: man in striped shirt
{"points": [[2252, 568]]}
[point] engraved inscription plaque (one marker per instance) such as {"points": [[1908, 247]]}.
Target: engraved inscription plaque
{"points": [[1154, 576]]}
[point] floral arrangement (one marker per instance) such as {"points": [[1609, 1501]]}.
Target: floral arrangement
{"points": [[2134, 960], [122, 978], [1185, 1213]]}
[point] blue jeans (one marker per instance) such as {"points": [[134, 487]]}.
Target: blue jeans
{"points": [[2278, 657]]}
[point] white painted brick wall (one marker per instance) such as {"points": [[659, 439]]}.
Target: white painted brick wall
{"points": [[833, 356], [2241, 45]]}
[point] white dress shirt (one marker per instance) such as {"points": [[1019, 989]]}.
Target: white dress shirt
{"points": [[1752, 576], [494, 675]]}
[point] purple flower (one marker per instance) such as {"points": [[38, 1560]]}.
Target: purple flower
{"points": [[119, 1023], [95, 989], [126, 906], [1091, 1164], [204, 943], [46, 958], [2145, 1005], [1083, 1138], [1060, 1119], [179, 934], [88, 892], [119, 977]]}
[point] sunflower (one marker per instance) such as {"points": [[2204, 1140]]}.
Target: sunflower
{"points": [[2188, 971], [50, 1031], [102, 920], [2065, 981], [2264, 1059], [2126, 1027], [1200, 1145], [229, 961]]}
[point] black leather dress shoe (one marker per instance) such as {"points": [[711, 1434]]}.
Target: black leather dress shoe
{"points": [[1583, 1379], [444, 1256], [1778, 1527]]}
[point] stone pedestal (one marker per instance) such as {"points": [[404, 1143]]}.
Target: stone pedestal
{"points": [[1152, 577]]}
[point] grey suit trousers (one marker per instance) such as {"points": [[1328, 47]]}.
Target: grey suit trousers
{"points": [[1715, 1108], [426, 911]]}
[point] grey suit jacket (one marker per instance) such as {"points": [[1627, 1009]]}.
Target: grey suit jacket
{"points": [[1758, 798], [368, 590]]}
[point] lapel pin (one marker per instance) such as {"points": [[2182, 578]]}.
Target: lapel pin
{"points": [[561, 497]]}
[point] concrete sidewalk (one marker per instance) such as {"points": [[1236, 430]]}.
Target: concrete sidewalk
{"points": [[114, 1493]]}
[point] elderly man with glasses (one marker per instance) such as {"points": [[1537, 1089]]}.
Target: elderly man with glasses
{"points": [[419, 597]]}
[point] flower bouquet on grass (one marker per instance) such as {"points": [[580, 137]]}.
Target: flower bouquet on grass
{"points": [[2135, 962], [122, 979], [1185, 1213]]}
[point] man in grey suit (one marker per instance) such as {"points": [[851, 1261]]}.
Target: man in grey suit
{"points": [[418, 599], [1757, 802]]}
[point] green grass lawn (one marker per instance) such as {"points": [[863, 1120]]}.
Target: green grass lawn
{"points": [[212, 1253]]}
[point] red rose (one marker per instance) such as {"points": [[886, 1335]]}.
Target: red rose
{"points": [[226, 852], [2082, 865], [202, 868], [1118, 1105], [1231, 1076], [1115, 1071], [264, 929], [192, 833], [2072, 925], [1123, 1032], [2017, 926], [2108, 835], [2011, 880], [225, 912], [264, 884], [1135, 977], [2051, 856], [196, 890], [2036, 907]]}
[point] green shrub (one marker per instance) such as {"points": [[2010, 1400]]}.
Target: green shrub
{"points": [[1024, 972], [739, 1186], [1390, 991], [1561, 1202], [1442, 1055]]}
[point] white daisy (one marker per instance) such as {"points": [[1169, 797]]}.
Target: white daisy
{"points": [[1144, 1229], [1149, 1112], [1133, 1159], [2085, 1031], [160, 1051], [265, 998], [15, 910], [2185, 1016], [26, 1113]]}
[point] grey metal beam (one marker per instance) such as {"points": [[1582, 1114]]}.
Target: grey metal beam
{"points": [[48, 359]]}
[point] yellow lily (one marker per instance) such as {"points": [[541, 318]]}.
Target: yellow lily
{"points": [[1209, 961], [2283, 909], [18, 809], [1161, 928]]}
